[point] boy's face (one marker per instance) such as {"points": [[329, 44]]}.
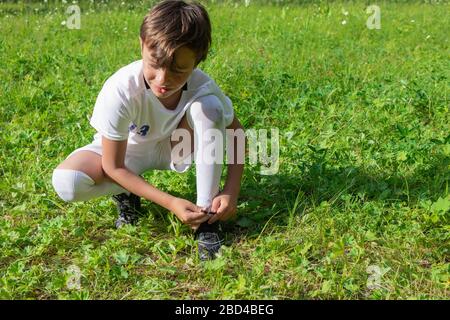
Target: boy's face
{"points": [[165, 82]]}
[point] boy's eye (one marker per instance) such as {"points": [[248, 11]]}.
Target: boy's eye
{"points": [[154, 66]]}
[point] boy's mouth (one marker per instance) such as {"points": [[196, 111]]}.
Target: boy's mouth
{"points": [[162, 89]]}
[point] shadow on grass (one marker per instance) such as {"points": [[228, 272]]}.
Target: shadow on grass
{"points": [[263, 198], [273, 197]]}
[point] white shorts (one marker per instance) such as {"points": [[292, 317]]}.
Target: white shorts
{"points": [[140, 158]]}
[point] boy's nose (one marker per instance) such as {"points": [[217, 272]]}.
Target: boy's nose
{"points": [[161, 76]]}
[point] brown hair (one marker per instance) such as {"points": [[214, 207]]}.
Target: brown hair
{"points": [[172, 24]]}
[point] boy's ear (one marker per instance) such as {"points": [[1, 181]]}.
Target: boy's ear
{"points": [[142, 44]]}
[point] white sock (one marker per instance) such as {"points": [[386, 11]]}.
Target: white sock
{"points": [[204, 114]]}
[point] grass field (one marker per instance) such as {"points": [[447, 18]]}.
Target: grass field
{"points": [[358, 210]]}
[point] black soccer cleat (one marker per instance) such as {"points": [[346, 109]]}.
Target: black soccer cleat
{"points": [[128, 207], [209, 240]]}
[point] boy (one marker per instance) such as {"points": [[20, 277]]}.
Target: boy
{"points": [[140, 114]]}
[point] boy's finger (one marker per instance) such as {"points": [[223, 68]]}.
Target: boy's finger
{"points": [[200, 220], [197, 215], [221, 213], [212, 219], [215, 217], [195, 208], [223, 207], [215, 204]]}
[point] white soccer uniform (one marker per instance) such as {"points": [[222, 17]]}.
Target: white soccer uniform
{"points": [[126, 109]]}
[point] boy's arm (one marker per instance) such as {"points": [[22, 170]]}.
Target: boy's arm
{"points": [[235, 170], [113, 164]]}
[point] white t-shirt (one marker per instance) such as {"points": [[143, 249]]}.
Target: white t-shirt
{"points": [[126, 109]]}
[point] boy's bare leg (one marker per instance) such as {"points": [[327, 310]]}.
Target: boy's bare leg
{"points": [[80, 177], [184, 125], [88, 162]]}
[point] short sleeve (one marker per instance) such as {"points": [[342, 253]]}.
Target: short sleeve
{"points": [[228, 111], [110, 117]]}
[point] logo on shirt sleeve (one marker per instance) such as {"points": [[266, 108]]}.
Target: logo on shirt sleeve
{"points": [[142, 131]]}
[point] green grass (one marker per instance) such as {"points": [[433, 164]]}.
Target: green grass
{"points": [[364, 158]]}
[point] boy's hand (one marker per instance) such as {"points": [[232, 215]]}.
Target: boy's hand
{"points": [[188, 213], [224, 205]]}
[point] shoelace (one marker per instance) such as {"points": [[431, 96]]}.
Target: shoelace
{"points": [[210, 238], [126, 211]]}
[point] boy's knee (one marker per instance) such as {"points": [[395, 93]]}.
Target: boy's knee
{"points": [[209, 107], [72, 185]]}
